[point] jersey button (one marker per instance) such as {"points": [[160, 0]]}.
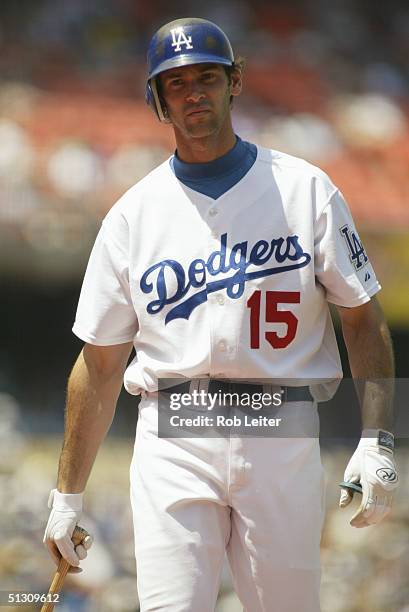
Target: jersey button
{"points": [[220, 300], [213, 212], [222, 345]]}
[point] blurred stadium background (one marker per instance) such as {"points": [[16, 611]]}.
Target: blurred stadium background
{"points": [[327, 81]]}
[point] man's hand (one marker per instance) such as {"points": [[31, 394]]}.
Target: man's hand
{"points": [[65, 514], [373, 466]]}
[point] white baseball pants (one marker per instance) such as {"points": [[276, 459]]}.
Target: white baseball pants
{"points": [[258, 499]]}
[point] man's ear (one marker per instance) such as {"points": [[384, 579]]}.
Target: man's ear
{"points": [[236, 83]]}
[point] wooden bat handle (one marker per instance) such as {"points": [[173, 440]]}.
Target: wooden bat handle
{"points": [[58, 579]]}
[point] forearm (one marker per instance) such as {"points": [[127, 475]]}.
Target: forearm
{"points": [[371, 361], [91, 401]]}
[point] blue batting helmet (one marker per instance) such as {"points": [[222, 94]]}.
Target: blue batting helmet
{"points": [[181, 43]]}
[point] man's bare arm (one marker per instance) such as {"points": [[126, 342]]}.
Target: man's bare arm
{"points": [[370, 354], [93, 389]]}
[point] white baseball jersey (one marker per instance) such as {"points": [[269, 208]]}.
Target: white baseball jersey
{"points": [[230, 288]]}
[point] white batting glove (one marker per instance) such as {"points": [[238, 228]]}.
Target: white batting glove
{"points": [[373, 466], [65, 515]]}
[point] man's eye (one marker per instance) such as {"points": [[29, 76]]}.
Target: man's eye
{"points": [[176, 82], [208, 76]]}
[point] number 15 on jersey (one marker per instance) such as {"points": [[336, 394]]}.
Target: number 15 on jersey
{"points": [[272, 315]]}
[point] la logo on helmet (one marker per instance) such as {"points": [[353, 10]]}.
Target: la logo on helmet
{"points": [[179, 38]]}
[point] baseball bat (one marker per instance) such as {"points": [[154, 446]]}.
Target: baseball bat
{"points": [[354, 487], [78, 536]]}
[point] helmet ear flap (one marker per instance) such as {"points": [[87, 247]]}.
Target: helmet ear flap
{"points": [[149, 97], [152, 98]]}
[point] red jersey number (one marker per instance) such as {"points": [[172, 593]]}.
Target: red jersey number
{"points": [[273, 315]]}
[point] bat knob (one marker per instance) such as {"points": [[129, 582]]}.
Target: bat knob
{"points": [[79, 535]]}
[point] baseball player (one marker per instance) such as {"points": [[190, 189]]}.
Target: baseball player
{"points": [[219, 266]]}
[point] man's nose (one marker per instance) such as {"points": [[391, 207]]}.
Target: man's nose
{"points": [[195, 93]]}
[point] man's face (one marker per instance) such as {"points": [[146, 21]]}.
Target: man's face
{"points": [[197, 98]]}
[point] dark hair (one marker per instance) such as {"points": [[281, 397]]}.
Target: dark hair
{"points": [[238, 66]]}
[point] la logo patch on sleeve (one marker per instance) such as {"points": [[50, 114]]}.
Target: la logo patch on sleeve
{"points": [[355, 247]]}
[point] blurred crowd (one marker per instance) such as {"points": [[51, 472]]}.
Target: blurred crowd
{"points": [[364, 570], [325, 81]]}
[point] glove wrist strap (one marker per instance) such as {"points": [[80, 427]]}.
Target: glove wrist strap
{"points": [[378, 437], [65, 501]]}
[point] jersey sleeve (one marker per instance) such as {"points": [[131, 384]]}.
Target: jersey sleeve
{"points": [[342, 266], [105, 313]]}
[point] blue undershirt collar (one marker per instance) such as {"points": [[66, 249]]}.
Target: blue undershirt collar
{"points": [[216, 177]]}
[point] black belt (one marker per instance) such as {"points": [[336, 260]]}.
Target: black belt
{"points": [[288, 394]]}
